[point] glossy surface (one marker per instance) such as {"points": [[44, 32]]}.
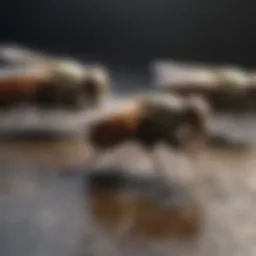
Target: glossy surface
{"points": [[46, 211]]}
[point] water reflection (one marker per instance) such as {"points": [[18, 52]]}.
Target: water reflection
{"points": [[141, 206]]}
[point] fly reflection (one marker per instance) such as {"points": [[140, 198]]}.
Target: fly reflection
{"points": [[141, 206]]}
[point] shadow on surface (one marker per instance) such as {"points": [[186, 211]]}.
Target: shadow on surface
{"points": [[31, 135]]}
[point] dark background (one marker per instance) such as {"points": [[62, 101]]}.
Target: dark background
{"points": [[136, 30]]}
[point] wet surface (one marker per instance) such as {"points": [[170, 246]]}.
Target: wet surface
{"points": [[44, 211]]}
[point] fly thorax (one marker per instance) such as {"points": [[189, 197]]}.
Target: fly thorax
{"points": [[66, 73], [232, 81]]}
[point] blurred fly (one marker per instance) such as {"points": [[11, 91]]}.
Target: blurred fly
{"points": [[226, 88], [49, 80], [150, 120]]}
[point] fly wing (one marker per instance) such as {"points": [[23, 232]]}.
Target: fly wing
{"points": [[15, 54], [184, 78]]}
